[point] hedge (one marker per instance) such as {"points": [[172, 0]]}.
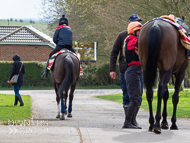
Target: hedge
{"points": [[98, 74], [94, 74], [32, 76]]}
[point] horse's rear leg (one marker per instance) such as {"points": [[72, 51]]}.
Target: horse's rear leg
{"points": [[62, 117], [164, 124], [56, 87], [161, 90], [71, 99], [149, 97], [175, 98], [66, 95]]}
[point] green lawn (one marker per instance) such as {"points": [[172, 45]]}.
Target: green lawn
{"points": [[15, 114], [183, 108]]}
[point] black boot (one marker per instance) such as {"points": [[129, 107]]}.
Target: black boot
{"points": [[20, 100], [16, 101], [125, 107], [128, 118], [46, 71], [134, 122]]}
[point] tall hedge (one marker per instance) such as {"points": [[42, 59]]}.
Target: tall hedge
{"points": [[32, 76], [98, 74], [94, 74]]}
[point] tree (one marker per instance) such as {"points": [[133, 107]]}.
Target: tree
{"points": [[11, 19], [103, 20]]}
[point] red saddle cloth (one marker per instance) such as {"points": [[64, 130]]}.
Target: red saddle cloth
{"points": [[53, 57]]}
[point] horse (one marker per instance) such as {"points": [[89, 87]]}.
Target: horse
{"points": [[159, 48], [64, 75]]}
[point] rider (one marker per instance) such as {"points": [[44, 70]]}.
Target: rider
{"points": [[133, 74], [62, 38]]}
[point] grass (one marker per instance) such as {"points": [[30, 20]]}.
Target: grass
{"points": [[42, 26], [183, 110], [14, 114]]}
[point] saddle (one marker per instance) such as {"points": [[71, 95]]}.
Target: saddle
{"points": [[53, 57], [184, 39]]}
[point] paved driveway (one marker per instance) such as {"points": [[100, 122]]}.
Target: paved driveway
{"points": [[94, 121]]}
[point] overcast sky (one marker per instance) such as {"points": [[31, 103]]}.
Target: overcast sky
{"points": [[19, 9]]}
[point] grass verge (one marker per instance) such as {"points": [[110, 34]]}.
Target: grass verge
{"points": [[183, 110], [14, 114]]}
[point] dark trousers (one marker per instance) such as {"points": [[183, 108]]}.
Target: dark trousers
{"points": [[59, 47], [123, 88], [133, 77]]}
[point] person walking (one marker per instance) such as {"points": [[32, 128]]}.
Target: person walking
{"points": [[133, 74], [16, 67], [117, 50]]}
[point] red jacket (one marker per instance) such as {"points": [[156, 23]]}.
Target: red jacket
{"points": [[130, 54]]}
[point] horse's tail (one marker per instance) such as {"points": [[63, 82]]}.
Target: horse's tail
{"points": [[68, 65], [154, 37]]}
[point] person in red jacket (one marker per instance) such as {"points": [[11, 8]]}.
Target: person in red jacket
{"points": [[133, 74], [117, 55]]}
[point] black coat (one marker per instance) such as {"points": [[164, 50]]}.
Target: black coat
{"points": [[15, 70], [118, 50]]}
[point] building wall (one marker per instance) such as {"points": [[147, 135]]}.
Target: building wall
{"points": [[26, 52]]}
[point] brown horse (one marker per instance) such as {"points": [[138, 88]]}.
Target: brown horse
{"points": [[159, 47], [65, 74]]}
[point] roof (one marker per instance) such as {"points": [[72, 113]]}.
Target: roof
{"points": [[24, 35]]}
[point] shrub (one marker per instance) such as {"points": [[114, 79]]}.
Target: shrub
{"points": [[32, 76], [94, 74], [98, 74]]}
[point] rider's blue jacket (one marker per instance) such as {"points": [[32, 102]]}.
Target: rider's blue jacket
{"points": [[63, 35]]}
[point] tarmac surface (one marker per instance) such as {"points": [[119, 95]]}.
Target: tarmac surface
{"points": [[94, 121]]}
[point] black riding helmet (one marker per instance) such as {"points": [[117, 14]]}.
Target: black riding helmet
{"points": [[16, 58], [63, 20]]}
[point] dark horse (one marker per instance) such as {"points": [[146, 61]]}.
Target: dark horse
{"points": [[159, 47], [65, 74]]}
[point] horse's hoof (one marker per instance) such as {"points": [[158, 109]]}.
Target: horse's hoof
{"points": [[150, 128], [66, 112], [62, 117], [69, 115], [157, 130], [164, 125], [173, 127], [58, 116]]}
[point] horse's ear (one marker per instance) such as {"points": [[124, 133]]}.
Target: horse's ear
{"points": [[183, 18]]}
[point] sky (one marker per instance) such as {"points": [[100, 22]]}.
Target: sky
{"points": [[20, 9]]}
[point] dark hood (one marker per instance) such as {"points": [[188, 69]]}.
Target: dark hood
{"points": [[16, 58]]}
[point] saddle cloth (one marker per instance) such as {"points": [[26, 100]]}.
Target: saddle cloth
{"points": [[53, 57], [184, 39]]}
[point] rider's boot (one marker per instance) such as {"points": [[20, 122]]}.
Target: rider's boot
{"points": [[128, 118], [125, 107], [134, 121], [46, 71]]}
